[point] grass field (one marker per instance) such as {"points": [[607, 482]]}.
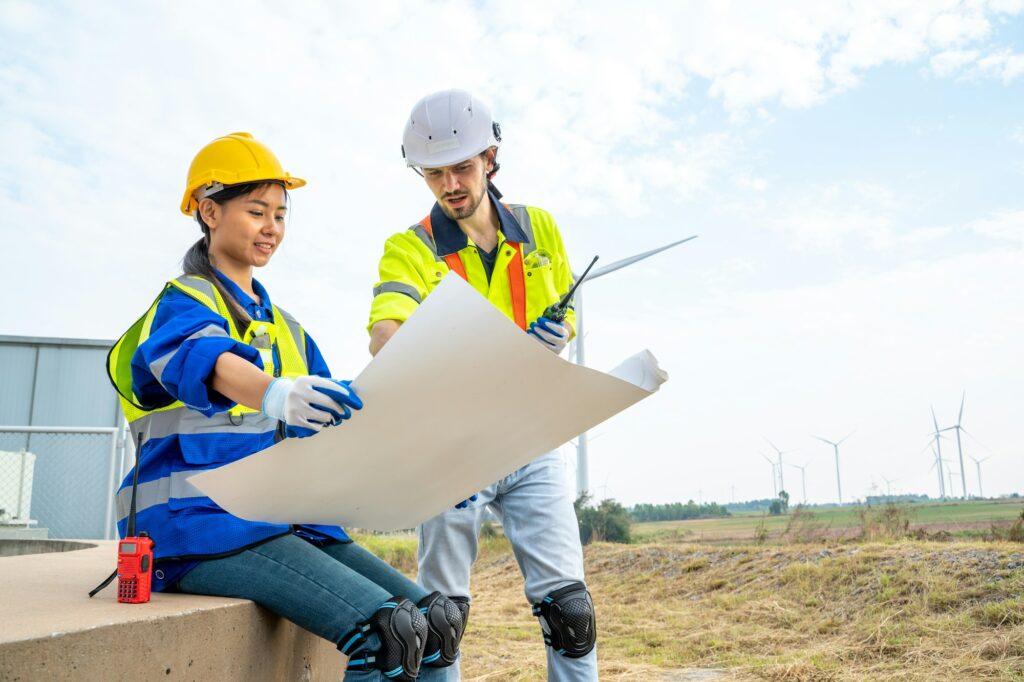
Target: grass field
{"points": [[827, 611], [968, 519]]}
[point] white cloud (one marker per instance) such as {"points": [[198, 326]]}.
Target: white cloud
{"points": [[826, 216], [1006, 225]]}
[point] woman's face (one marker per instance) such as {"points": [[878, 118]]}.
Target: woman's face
{"points": [[246, 231]]}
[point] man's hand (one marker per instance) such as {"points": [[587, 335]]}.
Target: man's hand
{"points": [[551, 334]]}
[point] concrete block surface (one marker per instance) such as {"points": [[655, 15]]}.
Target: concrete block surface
{"points": [[51, 630]]}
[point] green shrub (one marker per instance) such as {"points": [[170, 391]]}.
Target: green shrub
{"points": [[608, 522]]}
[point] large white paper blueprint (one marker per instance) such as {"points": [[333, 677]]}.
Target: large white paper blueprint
{"points": [[458, 398]]}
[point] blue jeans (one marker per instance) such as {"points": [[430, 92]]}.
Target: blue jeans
{"points": [[326, 590]]}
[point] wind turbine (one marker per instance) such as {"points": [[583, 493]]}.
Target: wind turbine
{"points": [[956, 427], [775, 478], [888, 486], [782, 483], [835, 446], [579, 354], [803, 479], [977, 463]]}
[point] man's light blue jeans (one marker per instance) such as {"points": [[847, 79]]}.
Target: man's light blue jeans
{"points": [[326, 590], [534, 504]]}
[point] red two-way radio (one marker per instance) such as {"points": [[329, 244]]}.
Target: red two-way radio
{"points": [[134, 569], [134, 555]]}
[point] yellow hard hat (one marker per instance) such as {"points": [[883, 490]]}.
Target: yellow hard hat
{"points": [[231, 160]]}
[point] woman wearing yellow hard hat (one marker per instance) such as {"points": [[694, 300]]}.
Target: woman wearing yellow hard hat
{"points": [[214, 372]]}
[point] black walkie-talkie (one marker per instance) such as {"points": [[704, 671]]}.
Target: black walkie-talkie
{"points": [[556, 311]]}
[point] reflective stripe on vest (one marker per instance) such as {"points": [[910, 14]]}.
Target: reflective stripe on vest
{"points": [[516, 274]]}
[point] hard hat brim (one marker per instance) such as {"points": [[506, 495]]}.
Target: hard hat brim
{"points": [[189, 204]]}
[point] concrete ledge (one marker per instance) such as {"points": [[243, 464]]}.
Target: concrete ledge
{"points": [[51, 630]]}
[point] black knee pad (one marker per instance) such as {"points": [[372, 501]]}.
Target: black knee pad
{"points": [[446, 622], [568, 620], [402, 631]]}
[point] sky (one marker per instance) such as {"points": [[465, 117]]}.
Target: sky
{"points": [[853, 171]]}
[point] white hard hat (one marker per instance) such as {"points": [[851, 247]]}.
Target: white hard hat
{"points": [[446, 128]]}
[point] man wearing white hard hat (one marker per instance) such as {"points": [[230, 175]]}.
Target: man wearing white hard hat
{"points": [[513, 255]]}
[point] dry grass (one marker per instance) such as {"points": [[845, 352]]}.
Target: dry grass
{"points": [[903, 611], [900, 610]]}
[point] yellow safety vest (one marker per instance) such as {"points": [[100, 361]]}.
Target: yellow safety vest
{"points": [[285, 332], [411, 267]]}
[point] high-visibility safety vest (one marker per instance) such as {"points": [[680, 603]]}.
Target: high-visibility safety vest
{"points": [[529, 275], [177, 441]]}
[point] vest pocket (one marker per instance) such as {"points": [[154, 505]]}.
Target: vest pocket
{"points": [[540, 283]]}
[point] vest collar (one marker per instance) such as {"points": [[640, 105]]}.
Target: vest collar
{"points": [[450, 239]]}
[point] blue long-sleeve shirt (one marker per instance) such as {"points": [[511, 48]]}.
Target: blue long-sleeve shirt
{"points": [[176, 362]]}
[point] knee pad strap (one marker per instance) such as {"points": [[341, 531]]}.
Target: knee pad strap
{"points": [[402, 631], [568, 620]]}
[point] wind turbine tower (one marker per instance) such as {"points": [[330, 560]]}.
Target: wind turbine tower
{"points": [[835, 447], [578, 352]]}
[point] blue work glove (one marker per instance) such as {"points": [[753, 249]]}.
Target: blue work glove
{"points": [[310, 402], [465, 503], [551, 334]]}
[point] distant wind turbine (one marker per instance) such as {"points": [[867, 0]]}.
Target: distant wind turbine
{"points": [[977, 463], [958, 428], [835, 446], [888, 485], [782, 483]]}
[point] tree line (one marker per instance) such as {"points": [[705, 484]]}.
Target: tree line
{"points": [[677, 511]]}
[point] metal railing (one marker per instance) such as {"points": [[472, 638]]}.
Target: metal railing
{"points": [[61, 478]]}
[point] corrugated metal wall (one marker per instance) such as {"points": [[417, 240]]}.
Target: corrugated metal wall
{"points": [[48, 382]]}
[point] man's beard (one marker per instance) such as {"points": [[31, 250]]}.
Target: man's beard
{"points": [[464, 212]]}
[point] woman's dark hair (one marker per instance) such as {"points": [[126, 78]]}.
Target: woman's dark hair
{"points": [[197, 258]]}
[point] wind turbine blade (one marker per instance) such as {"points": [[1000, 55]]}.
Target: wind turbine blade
{"points": [[985, 447], [960, 417], [934, 419], [773, 447], [847, 436], [619, 264], [823, 440]]}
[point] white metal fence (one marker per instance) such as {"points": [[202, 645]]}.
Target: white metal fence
{"points": [[61, 478]]}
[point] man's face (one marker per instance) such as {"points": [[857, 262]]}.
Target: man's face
{"points": [[460, 188]]}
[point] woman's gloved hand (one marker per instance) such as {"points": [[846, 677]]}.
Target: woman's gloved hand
{"points": [[310, 402], [551, 334]]}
